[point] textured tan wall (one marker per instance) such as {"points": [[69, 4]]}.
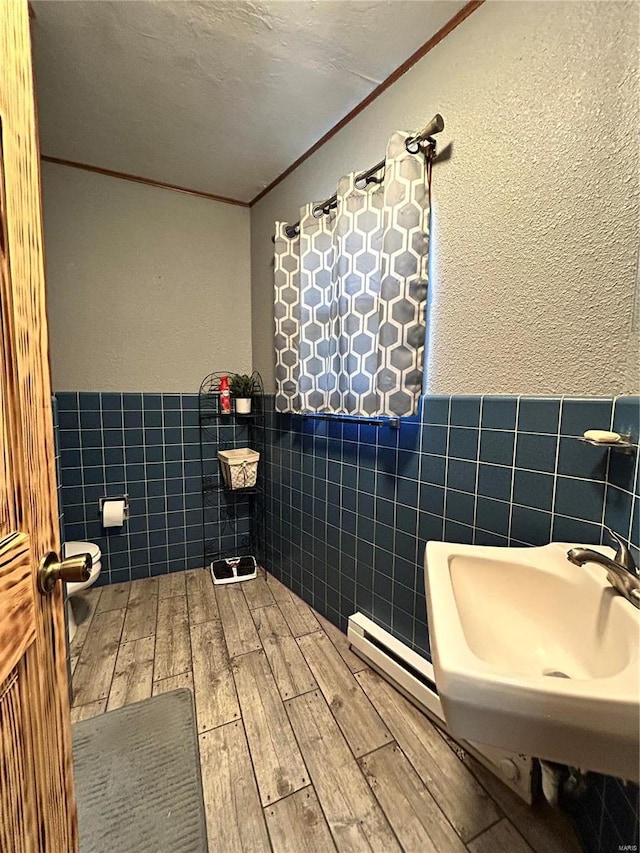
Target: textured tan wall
{"points": [[535, 213], [148, 289]]}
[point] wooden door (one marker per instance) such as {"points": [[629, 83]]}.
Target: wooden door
{"points": [[37, 805]]}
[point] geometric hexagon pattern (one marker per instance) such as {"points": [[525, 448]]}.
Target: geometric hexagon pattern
{"points": [[351, 292], [287, 319]]}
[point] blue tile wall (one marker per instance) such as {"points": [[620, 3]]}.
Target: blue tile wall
{"points": [[146, 446], [350, 508], [351, 505], [607, 816]]}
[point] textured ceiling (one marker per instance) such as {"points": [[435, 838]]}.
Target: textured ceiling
{"points": [[216, 96]]}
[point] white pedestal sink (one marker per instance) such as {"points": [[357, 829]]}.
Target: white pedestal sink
{"points": [[535, 655]]}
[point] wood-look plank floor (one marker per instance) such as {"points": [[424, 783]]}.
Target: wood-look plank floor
{"points": [[302, 746]]}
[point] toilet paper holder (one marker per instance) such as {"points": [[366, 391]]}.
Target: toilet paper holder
{"points": [[124, 498]]}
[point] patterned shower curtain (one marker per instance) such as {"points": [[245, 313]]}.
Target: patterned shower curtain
{"points": [[350, 295]]}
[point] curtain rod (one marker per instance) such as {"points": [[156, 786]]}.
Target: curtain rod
{"points": [[413, 144]]}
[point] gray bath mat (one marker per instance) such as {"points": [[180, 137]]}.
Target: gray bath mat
{"points": [[138, 779]]}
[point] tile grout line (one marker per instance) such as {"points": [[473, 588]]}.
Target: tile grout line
{"points": [[125, 481], [555, 468], [415, 770], [104, 481], [353, 756], [503, 816], [240, 720], [373, 791], [146, 492], [606, 478], [314, 690], [127, 484], [356, 682], [635, 501], [477, 472], [418, 568], [165, 496], [120, 645], [80, 650], [288, 796], [446, 471], [499, 809], [115, 663], [513, 475]]}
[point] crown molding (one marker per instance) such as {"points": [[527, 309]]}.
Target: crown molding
{"points": [[138, 179], [435, 39]]}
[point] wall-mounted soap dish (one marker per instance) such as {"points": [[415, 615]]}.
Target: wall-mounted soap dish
{"points": [[623, 445]]}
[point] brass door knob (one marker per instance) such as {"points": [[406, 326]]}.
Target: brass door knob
{"points": [[72, 570]]}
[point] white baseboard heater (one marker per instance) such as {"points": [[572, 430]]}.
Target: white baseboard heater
{"points": [[414, 677]]}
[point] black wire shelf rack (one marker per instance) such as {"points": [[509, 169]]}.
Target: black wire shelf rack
{"points": [[232, 519]]}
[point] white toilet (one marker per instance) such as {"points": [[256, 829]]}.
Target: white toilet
{"points": [[72, 549]]}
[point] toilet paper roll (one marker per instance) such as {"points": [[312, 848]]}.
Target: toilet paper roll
{"points": [[113, 513]]}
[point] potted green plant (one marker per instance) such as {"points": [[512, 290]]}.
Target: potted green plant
{"points": [[242, 386]]}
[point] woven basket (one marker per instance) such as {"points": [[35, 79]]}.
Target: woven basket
{"points": [[239, 467]]}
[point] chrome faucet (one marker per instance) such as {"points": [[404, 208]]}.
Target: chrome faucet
{"points": [[622, 572]]}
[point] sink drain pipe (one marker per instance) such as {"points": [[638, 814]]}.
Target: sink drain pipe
{"points": [[551, 775], [556, 778]]}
